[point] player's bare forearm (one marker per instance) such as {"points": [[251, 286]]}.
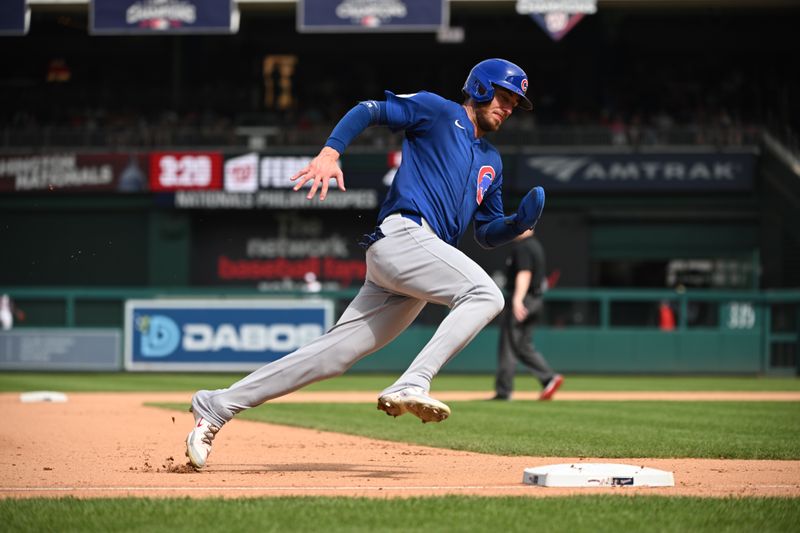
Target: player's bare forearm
{"points": [[521, 285]]}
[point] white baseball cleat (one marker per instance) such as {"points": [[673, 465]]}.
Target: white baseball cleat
{"points": [[198, 442], [416, 401]]}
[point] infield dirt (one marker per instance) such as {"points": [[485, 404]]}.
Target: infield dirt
{"points": [[112, 445]]}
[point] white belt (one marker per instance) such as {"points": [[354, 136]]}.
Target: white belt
{"points": [[424, 222]]}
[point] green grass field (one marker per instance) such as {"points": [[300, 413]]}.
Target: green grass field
{"points": [[730, 430], [445, 514], [125, 381], [649, 429]]}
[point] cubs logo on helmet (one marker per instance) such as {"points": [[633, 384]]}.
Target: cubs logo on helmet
{"points": [[486, 176], [524, 85]]}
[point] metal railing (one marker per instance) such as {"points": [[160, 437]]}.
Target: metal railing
{"points": [[269, 136], [764, 323]]}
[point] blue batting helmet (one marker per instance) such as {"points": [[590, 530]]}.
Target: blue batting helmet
{"points": [[486, 74]]}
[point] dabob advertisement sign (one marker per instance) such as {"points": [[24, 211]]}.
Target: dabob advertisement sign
{"points": [[219, 335]]}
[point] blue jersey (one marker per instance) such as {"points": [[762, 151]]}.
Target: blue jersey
{"points": [[447, 176]]}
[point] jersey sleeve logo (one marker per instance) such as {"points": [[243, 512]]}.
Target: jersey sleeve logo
{"points": [[485, 178]]}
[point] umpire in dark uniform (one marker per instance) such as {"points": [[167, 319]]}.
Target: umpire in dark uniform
{"points": [[525, 275]]}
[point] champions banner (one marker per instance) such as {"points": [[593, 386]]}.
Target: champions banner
{"points": [[15, 17], [157, 17], [556, 17], [324, 16]]}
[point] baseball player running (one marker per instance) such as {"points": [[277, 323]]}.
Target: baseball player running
{"points": [[449, 176]]}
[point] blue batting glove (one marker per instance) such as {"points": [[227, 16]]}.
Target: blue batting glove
{"points": [[530, 209]]}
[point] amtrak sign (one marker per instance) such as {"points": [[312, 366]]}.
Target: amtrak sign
{"points": [[637, 172]]}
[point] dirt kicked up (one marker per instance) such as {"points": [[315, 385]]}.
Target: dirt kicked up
{"points": [[111, 445]]}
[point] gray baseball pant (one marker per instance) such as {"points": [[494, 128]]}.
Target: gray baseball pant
{"points": [[516, 345], [406, 269]]}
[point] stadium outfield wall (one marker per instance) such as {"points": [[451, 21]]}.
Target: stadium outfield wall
{"points": [[584, 331]]}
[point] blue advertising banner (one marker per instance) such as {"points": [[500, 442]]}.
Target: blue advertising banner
{"points": [[219, 335], [157, 17], [642, 172], [325, 16], [51, 349], [14, 17]]}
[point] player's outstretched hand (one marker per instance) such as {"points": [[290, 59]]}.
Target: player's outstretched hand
{"points": [[321, 169], [530, 209]]}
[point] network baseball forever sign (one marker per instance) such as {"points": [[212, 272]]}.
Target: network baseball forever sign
{"points": [[219, 335], [371, 15], [643, 172], [156, 17]]}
